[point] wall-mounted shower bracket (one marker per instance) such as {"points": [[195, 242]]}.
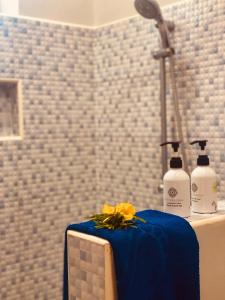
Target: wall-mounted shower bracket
{"points": [[163, 53]]}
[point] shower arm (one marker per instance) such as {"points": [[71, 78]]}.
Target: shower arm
{"points": [[166, 50]]}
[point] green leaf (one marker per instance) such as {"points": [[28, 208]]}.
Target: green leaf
{"points": [[114, 221]]}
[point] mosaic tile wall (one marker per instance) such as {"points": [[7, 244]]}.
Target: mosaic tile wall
{"points": [[48, 179], [92, 128], [127, 98]]}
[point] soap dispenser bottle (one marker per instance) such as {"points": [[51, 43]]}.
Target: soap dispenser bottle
{"points": [[203, 184], [176, 186]]}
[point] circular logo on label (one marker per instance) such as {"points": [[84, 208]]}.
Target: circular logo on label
{"points": [[172, 192], [194, 187]]}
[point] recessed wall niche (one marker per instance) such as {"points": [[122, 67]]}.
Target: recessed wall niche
{"points": [[11, 117]]}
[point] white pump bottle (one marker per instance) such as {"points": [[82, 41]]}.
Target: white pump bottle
{"points": [[203, 184], [176, 186]]}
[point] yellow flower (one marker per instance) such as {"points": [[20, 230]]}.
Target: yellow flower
{"points": [[108, 209], [126, 209]]}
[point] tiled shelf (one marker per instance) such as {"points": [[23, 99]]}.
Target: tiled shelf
{"points": [[11, 112]]}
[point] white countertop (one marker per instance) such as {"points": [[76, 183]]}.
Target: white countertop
{"points": [[220, 212]]}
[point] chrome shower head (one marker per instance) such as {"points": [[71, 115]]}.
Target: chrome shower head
{"points": [[149, 9]]}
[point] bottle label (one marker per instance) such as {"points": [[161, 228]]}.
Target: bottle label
{"points": [[204, 195], [177, 198]]}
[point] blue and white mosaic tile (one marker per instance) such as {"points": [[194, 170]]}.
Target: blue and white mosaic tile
{"points": [[127, 98], [92, 127], [48, 179]]}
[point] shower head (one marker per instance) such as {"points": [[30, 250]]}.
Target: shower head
{"points": [[149, 9]]}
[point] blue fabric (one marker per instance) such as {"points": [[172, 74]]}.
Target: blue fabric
{"points": [[159, 260]]}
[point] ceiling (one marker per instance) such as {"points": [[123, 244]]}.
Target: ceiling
{"points": [[81, 12]]}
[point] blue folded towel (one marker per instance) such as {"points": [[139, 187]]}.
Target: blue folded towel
{"points": [[159, 260]]}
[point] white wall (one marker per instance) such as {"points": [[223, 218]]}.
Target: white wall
{"points": [[10, 7], [83, 12], [106, 11], [69, 11]]}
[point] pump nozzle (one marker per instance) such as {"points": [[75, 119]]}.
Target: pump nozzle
{"points": [[175, 145], [202, 143], [176, 161], [203, 159]]}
